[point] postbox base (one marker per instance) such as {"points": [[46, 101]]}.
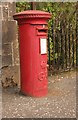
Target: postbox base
{"points": [[40, 93]]}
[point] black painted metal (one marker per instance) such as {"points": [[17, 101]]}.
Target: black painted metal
{"points": [[64, 54], [33, 5]]}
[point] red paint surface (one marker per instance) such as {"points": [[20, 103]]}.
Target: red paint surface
{"points": [[33, 64]]}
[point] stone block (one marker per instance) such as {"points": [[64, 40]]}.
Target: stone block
{"points": [[6, 49], [4, 31], [10, 75], [0, 12], [8, 9], [4, 3], [0, 3], [0, 61], [11, 31], [0, 49], [0, 31], [8, 31], [12, 10], [16, 51], [5, 12], [6, 60]]}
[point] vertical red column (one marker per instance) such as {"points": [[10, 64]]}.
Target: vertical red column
{"points": [[33, 51]]}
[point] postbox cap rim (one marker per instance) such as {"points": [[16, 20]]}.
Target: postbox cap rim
{"points": [[32, 14]]}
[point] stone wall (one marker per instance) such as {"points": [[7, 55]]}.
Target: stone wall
{"points": [[10, 46]]}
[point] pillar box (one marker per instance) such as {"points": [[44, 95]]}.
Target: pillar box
{"points": [[33, 51]]}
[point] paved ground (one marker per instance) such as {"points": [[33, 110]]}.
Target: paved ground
{"points": [[59, 103]]}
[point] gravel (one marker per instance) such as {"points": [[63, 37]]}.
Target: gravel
{"points": [[59, 103]]}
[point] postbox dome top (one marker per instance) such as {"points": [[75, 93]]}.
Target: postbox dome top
{"points": [[32, 14]]}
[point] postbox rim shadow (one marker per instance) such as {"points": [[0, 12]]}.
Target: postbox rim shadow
{"points": [[33, 51]]}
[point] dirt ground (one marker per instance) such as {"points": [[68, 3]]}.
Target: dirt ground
{"points": [[59, 103]]}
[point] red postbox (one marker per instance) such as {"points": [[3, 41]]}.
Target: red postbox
{"points": [[33, 51]]}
